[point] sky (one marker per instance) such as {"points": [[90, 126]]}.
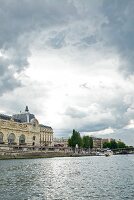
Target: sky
{"points": [[71, 62]]}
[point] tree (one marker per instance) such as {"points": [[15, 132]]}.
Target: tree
{"points": [[69, 142], [121, 144], [87, 142], [75, 139], [113, 144], [91, 142], [106, 145]]}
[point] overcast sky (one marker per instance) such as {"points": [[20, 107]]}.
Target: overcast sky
{"points": [[71, 62]]}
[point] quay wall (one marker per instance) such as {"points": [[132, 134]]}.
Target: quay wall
{"points": [[8, 152]]}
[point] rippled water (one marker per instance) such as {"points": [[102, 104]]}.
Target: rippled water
{"points": [[78, 178]]}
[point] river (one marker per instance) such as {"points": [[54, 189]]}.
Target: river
{"points": [[72, 178]]}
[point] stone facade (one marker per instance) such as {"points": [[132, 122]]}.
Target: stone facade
{"points": [[97, 143], [28, 132], [60, 142]]}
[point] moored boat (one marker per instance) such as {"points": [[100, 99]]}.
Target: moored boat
{"points": [[108, 152], [100, 154]]}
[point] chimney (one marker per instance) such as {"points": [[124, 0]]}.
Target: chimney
{"points": [[27, 113]]}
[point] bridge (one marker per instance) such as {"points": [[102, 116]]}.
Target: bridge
{"points": [[129, 150]]}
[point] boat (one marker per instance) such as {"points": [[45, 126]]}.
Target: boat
{"points": [[99, 153], [108, 152]]}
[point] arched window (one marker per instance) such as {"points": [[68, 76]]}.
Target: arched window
{"points": [[22, 139], [11, 138], [1, 137]]}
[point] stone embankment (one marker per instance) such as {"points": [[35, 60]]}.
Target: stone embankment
{"points": [[11, 153], [32, 154]]}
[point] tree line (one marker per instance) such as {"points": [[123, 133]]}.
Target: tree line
{"points": [[82, 142], [114, 145], [87, 142]]}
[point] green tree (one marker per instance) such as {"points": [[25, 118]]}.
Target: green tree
{"points": [[106, 145], [113, 144], [91, 142], [86, 141], [121, 144], [75, 139], [69, 142]]}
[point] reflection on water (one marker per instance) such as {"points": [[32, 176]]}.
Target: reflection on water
{"points": [[80, 178]]}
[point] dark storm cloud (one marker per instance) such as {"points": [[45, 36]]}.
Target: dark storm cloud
{"points": [[22, 17], [119, 30], [89, 127], [7, 79], [20, 24]]}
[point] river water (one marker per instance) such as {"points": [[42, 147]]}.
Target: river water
{"points": [[74, 178]]}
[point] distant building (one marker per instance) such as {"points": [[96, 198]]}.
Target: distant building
{"points": [[97, 143], [24, 129], [106, 140], [60, 142]]}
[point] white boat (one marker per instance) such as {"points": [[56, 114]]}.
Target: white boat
{"points": [[99, 153], [108, 152]]}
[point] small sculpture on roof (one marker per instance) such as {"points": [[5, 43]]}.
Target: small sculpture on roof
{"points": [[26, 109]]}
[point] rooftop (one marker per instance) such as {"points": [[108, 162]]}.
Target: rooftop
{"points": [[44, 126]]}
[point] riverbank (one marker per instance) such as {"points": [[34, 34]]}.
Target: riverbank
{"points": [[32, 155], [40, 154]]}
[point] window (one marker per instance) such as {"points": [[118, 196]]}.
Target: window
{"points": [[22, 139], [1, 137], [11, 138]]}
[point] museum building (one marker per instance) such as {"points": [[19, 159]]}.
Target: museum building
{"points": [[23, 129]]}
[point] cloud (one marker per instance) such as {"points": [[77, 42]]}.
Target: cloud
{"points": [[75, 113], [7, 79], [118, 31], [52, 27], [126, 136], [78, 57], [20, 24]]}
